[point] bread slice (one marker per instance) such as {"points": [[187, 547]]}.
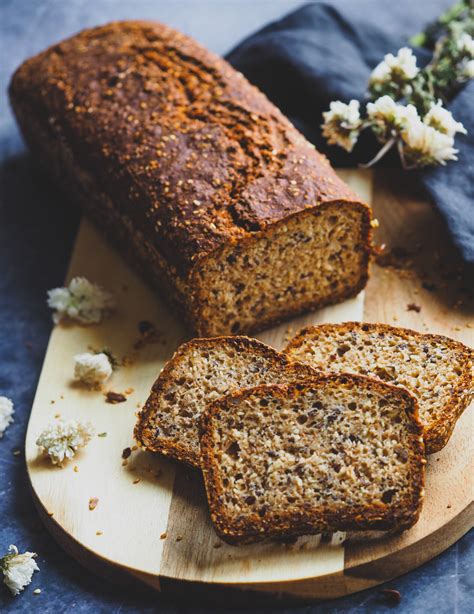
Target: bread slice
{"points": [[437, 370], [333, 453], [201, 371]]}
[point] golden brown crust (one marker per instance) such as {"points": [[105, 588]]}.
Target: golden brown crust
{"points": [[437, 432], [181, 145], [159, 116], [144, 432], [309, 521]]}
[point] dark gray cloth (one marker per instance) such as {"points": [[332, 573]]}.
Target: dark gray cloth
{"points": [[326, 51]]}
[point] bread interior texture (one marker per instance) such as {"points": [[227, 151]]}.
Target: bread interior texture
{"points": [[326, 448], [312, 259], [204, 371], [431, 367]]}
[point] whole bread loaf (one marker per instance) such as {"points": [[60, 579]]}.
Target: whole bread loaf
{"points": [[334, 453], [436, 369], [201, 371], [194, 175]]}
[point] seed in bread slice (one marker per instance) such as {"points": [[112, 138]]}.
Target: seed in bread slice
{"points": [[201, 371], [437, 370], [334, 453]]}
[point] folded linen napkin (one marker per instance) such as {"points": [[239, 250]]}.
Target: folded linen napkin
{"points": [[326, 51]]}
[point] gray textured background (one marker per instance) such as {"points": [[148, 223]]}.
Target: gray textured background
{"points": [[37, 230]]}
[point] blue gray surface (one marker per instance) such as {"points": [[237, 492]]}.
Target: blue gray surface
{"points": [[37, 230]]}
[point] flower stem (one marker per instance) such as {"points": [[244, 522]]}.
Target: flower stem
{"points": [[385, 149], [401, 153]]}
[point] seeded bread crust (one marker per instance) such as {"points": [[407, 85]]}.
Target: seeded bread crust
{"points": [[176, 157], [145, 427], [436, 432], [309, 520]]}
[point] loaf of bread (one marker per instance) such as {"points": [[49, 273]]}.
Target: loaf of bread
{"points": [[195, 176], [201, 371], [335, 453], [437, 370]]}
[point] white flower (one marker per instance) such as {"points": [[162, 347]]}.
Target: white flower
{"points": [[18, 569], [342, 124], [60, 439], [442, 120], [468, 69], [387, 115], [466, 44], [6, 414], [92, 369], [81, 300], [423, 145], [401, 67]]}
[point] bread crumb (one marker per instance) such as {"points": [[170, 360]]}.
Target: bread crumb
{"points": [[99, 533], [413, 307], [163, 536], [126, 452], [179, 538], [93, 503], [127, 361], [37, 591], [148, 334], [76, 468], [136, 480], [114, 397]]}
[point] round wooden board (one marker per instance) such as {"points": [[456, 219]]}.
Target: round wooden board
{"points": [[151, 522]]}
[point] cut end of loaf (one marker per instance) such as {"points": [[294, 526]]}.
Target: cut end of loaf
{"points": [[436, 369], [335, 453], [314, 258]]}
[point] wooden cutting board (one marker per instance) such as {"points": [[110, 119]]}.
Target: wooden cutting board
{"points": [[151, 521]]}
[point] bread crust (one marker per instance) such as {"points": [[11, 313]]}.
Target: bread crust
{"points": [[438, 432], [254, 528], [144, 431], [219, 142]]}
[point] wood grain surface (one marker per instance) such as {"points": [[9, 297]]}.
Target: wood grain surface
{"points": [[151, 522]]}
